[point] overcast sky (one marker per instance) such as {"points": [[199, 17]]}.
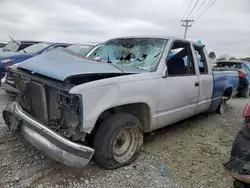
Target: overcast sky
{"points": [[224, 28]]}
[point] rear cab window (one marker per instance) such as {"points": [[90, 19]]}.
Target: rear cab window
{"points": [[201, 59]]}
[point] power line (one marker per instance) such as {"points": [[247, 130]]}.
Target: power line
{"points": [[193, 8], [185, 22], [205, 9], [197, 10], [187, 9]]}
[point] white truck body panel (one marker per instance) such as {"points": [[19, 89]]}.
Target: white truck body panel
{"points": [[170, 99]]}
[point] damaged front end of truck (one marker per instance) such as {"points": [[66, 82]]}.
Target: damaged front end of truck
{"points": [[48, 116], [55, 110]]}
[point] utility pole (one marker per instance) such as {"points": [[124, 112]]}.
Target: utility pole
{"points": [[186, 25]]}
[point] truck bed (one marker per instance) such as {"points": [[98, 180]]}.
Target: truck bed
{"points": [[223, 80]]}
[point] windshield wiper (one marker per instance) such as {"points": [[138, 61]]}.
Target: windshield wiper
{"points": [[17, 44]]}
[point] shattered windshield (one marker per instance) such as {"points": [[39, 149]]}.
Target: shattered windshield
{"points": [[137, 53]]}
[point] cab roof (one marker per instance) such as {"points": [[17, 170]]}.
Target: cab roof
{"points": [[160, 37]]}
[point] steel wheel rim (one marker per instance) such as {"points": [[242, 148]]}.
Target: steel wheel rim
{"points": [[125, 144], [222, 106]]}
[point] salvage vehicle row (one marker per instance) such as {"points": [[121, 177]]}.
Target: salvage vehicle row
{"points": [[36, 49]]}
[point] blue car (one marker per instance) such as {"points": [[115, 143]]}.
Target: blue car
{"points": [[10, 58], [243, 68], [16, 46]]}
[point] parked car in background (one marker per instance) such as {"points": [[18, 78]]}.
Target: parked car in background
{"points": [[74, 107], [81, 49], [243, 68], [2, 44], [31, 51], [16, 46], [239, 164]]}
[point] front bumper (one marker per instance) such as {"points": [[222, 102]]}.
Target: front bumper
{"points": [[45, 139], [7, 87]]}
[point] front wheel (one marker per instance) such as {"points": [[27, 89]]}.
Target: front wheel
{"points": [[118, 141]]}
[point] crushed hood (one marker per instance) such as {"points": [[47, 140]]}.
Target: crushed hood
{"points": [[61, 64]]}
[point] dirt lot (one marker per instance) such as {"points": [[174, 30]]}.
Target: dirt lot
{"points": [[192, 152]]}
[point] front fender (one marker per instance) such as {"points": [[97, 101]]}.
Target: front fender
{"points": [[95, 101], [98, 99]]}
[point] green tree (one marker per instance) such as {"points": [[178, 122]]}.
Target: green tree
{"points": [[212, 55]]}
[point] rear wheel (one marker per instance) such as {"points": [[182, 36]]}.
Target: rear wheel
{"points": [[222, 106], [118, 141], [245, 92]]}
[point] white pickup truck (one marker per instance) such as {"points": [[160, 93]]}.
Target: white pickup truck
{"points": [[73, 107]]}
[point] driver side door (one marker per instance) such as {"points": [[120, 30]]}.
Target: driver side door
{"points": [[179, 92]]}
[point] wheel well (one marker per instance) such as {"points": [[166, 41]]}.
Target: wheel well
{"points": [[228, 92], [140, 110]]}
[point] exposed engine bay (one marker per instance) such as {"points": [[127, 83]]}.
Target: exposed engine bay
{"points": [[50, 102]]}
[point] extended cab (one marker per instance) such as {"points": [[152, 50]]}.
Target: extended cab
{"points": [[73, 107]]}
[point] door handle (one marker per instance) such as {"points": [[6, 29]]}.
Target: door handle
{"points": [[196, 84]]}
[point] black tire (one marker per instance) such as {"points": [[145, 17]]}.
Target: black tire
{"points": [[106, 141], [222, 106], [245, 92], [240, 184]]}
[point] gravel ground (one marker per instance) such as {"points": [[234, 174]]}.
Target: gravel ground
{"points": [[192, 152]]}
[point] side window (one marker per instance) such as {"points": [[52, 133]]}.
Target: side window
{"points": [[180, 61], [201, 59]]}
